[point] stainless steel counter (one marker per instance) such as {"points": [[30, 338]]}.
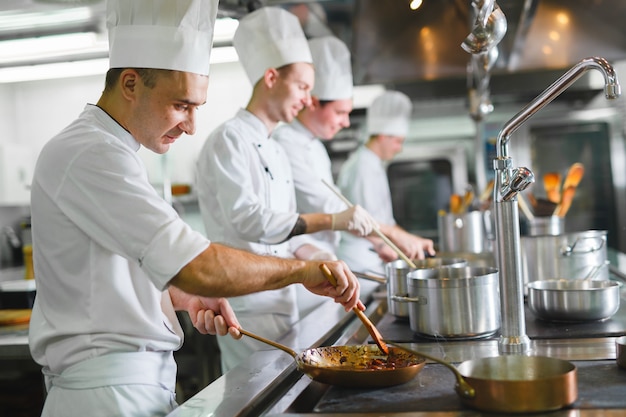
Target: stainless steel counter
{"points": [[268, 383]]}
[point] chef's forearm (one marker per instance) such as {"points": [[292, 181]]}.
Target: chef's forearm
{"points": [[220, 271]]}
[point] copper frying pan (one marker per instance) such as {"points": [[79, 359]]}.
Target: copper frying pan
{"points": [[513, 383], [358, 366]]}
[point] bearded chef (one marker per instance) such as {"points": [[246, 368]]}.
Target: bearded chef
{"points": [[363, 180], [244, 181], [113, 260]]}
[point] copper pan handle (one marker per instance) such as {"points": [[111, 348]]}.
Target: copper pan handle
{"points": [[269, 342]]}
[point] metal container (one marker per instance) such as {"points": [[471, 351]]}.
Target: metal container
{"points": [[458, 303], [570, 255], [396, 272], [547, 225], [573, 301], [467, 232]]}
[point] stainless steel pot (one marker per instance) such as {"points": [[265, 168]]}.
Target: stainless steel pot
{"points": [[396, 272], [580, 300], [460, 303], [570, 255]]}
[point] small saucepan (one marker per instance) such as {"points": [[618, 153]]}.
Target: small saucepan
{"points": [[513, 383], [570, 300], [358, 366]]}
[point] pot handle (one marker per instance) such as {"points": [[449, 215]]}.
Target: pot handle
{"points": [[462, 388], [407, 299], [569, 250]]}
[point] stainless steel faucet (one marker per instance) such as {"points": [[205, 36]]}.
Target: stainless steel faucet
{"points": [[509, 182]]}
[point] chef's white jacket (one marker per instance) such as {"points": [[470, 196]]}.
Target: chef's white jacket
{"points": [[105, 246], [363, 180], [310, 164], [247, 200]]}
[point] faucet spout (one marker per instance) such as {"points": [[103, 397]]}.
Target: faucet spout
{"points": [[508, 182], [612, 90]]}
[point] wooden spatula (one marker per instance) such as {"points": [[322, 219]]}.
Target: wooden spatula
{"points": [[373, 331], [552, 185], [566, 201], [574, 175]]}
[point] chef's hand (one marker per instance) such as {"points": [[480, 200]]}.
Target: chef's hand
{"points": [[355, 219], [208, 315], [347, 290], [413, 246], [310, 252], [214, 316]]}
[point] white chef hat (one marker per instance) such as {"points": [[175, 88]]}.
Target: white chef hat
{"points": [[389, 114], [162, 34], [333, 71], [270, 37]]}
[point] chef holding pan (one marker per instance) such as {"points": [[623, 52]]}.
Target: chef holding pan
{"points": [[244, 181], [328, 113], [363, 180], [113, 261]]}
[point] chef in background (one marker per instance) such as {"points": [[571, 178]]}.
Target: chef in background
{"points": [[113, 261], [244, 181], [363, 180], [328, 113]]}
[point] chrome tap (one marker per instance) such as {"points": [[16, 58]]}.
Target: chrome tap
{"points": [[508, 182]]}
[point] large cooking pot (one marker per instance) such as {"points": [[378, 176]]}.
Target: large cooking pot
{"points": [[358, 366], [396, 273], [468, 232], [512, 383], [461, 303], [569, 255], [580, 300]]}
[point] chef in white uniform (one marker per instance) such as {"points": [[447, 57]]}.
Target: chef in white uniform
{"points": [[113, 261], [244, 181], [363, 180], [328, 113]]}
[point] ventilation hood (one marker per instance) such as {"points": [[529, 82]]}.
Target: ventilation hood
{"points": [[416, 51]]}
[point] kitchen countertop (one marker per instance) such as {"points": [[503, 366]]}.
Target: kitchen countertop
{"points": [[268, 383]]}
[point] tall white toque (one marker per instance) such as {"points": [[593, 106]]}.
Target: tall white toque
{"points": [[333, 70], [161, 34], [389, 114], [270, 37]]}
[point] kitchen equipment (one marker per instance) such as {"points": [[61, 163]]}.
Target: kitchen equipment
{"points": [[569, 255], [467, 232], [485, 36], [373, 331], [17, 294], [512, 383], [574, 300], [376, 229], [353, 366], [620, 351], [456, 303], [396, 272], [546, 225], [552, 186]]}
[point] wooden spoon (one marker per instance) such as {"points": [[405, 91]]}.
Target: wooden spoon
{"points": [[373, 331], [566, 201], [552, 185], [574, 175]]}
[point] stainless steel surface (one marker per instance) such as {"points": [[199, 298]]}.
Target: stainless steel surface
{"points": [[514, 339], [620, 351], [467, 232]]}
